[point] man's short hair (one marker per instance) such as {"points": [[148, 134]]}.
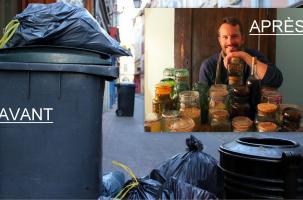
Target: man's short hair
{"points": [[232, 21]]}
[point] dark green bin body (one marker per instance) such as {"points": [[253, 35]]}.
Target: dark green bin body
{"points": [[60, 159]]}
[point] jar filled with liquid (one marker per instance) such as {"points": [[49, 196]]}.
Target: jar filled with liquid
{"points": [[152, 123], [162, 100]]}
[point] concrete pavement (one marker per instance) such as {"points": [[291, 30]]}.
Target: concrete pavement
{"points": [[124, 140]]}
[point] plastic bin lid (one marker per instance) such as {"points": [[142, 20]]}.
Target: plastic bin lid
{"points": [[55, 58]]}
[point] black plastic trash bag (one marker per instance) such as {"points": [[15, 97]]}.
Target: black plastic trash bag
{"points": [[194, 167], [61, 24], [174, 189], [145, 189], [112, 183]]}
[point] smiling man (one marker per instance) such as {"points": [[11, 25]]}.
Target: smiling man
{"points": [[230, 36]]}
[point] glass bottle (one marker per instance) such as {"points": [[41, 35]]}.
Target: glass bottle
{"points": [[190, 107], [169, 77], [235, 71], [220, 121], [203, 93], [162, 100], [254, 84]]}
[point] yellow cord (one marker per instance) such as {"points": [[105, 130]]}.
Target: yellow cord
{"points": [[9, 31], [127, 188]]}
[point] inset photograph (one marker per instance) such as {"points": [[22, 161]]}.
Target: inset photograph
{"points": [[223, 70]]}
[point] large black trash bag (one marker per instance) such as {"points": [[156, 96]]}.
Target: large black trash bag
{"points": [[194, 167], [61, 24], [112, 183], [175, 189], [145, 189]]}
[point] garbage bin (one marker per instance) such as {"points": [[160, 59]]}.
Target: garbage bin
{"points": [[51, 121], [126, 99]]}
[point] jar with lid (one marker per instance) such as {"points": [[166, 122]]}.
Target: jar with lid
{"points": [[242, 124], [182, 124], [169, 117], [162, 100], [218, 95], [235, 71], [182, 76], [169, 77], [267, 127], [203, 93], [266, 113], [271, 95], [220, 121], [190, 107], [152, 123]]}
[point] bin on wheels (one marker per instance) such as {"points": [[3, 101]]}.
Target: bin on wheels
{"points": [[126, 99], [51, 121]]}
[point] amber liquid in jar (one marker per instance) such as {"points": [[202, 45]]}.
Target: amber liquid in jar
{"points": [[162, 100]]}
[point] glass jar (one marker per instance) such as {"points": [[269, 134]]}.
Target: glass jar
{"points": [[271, 95], [168, 118], [190, 107], [152, 123], [182, 76], [267, 127], [179, 87], [240, 91], [203, 93], [266, 113], [235, 71], [169, 77], [242, 124], [220, 121], [182, 124], [240, 109], [162, 100], [290, 116], [218, 96]]}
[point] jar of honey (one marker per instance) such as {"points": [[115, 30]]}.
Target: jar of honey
{"points": [[162, 100], [152, 123]]}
